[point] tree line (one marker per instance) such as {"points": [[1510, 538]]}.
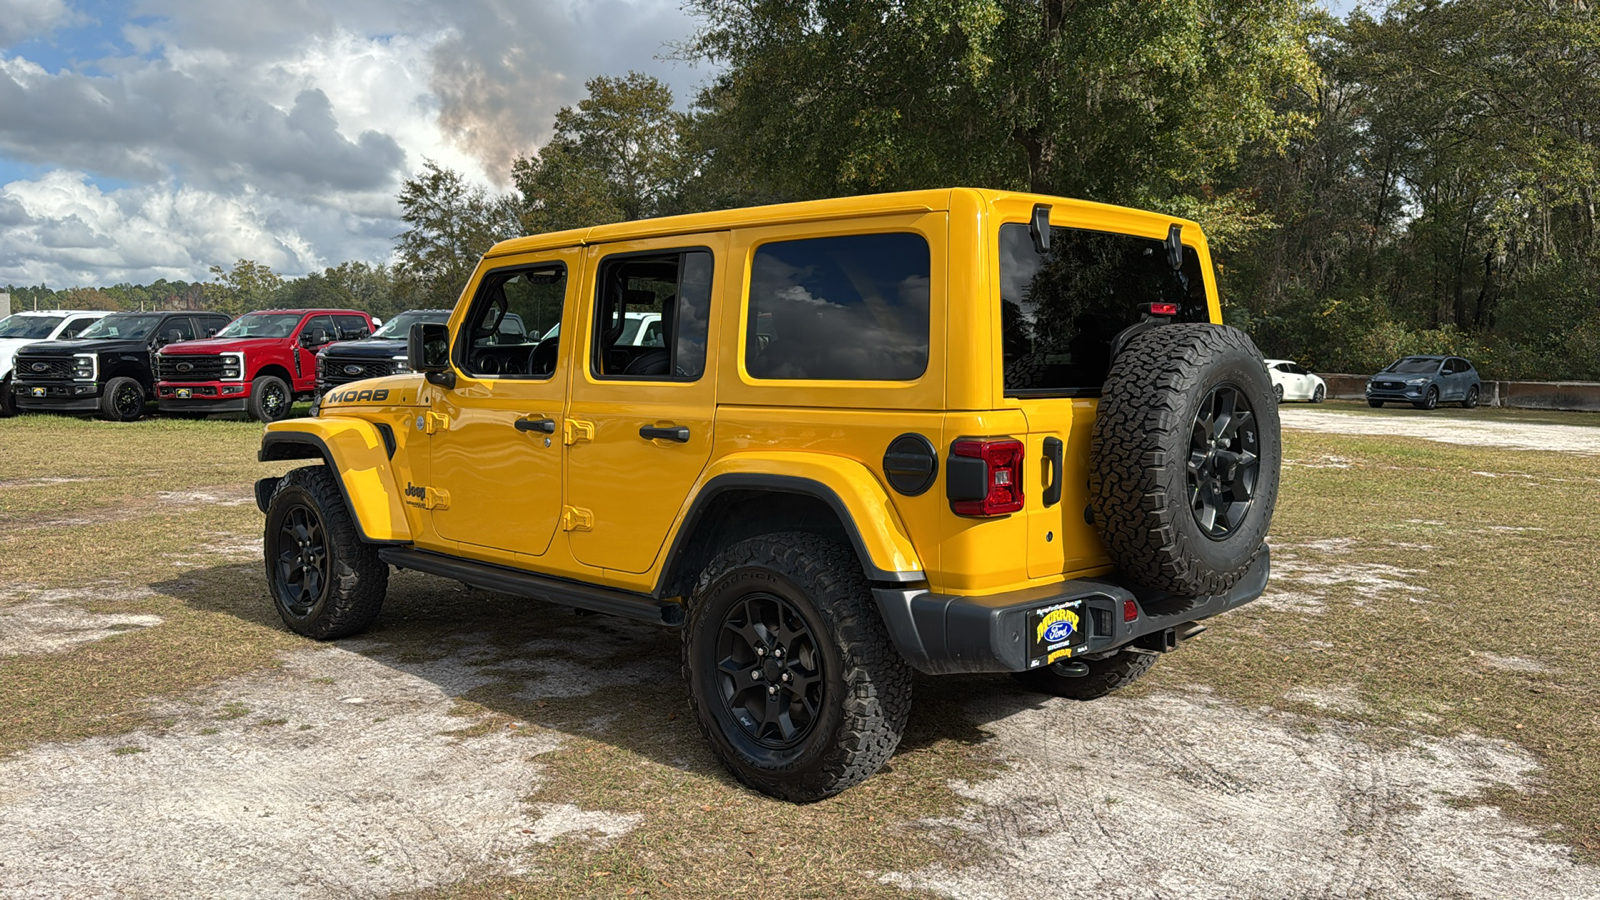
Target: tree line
{"points": [[1416, 177]]}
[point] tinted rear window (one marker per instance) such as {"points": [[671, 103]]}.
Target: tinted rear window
{"points": [[840, 308], [1060, 310]]}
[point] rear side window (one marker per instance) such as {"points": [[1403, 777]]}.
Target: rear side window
{"points": [[652, 311], [850, 308], [351, 328], [1060, 310], [73, 327]]}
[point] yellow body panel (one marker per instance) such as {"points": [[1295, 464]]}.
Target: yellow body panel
{"points": [[362, 462], [608, 504]]}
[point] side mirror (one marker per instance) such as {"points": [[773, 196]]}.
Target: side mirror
{"points": [[212, 332], [428, 352]]}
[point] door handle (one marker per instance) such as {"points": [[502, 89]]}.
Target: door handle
{"points": [[677, 433], [548, 426], [1053, 453]]}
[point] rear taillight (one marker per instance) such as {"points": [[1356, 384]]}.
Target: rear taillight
{"points": [[986, 476]]}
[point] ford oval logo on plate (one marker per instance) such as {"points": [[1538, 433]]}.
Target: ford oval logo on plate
{"points": [[185, 367], [1058, 631], [41, 367], [352, 370]]}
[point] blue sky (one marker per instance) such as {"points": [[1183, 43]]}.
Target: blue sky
{"points": [[155, 138]]}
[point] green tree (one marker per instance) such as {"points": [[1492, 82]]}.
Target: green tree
{"points": [[247, 286], [452, 223], [1119, 100], [613, 157]]}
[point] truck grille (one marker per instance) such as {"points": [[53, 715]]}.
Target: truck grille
{"points": [[37, 368], [190, 368], [335, 370]]}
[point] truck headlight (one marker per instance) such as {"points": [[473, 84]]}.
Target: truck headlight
{"points": [[84, 366], [232, 367], [401, 365]]}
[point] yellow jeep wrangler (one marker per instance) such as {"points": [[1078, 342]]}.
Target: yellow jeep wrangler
{"points": [[833, 442]]}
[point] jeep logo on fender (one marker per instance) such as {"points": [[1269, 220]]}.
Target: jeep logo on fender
{"points": [[355, 396], [417, 492]]}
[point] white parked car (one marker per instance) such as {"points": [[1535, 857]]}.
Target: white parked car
{"points": [[20, 329], [1291, 381]]}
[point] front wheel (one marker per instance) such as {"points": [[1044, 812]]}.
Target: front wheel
{"points": [[792, 674], [1277, 393], [270, 399], [8, 399], [1113, 673], [326, 582], [1471, 400], [123, 400], [1319, 395], [1429, 400]]}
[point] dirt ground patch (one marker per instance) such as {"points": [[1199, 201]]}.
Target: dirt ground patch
{"points": [[1178, 796], [1512, 435]]}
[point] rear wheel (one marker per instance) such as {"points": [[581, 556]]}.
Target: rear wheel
{"points": [[792, 675], [1429, 400], [326, 582], [122, 400], [1186, 447], [270, 399], [1096, 678], [1471, 400]]}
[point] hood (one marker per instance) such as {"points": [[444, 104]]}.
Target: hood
{"points": [[224, 345], [68, 348], [393, 390], [367, 349]]}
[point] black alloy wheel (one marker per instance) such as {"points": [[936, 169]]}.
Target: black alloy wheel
{"points": [[301, 569], [1471, 400], [769, 671], [1430, 400], [1224, 461], [274, 400], [128, 401]]}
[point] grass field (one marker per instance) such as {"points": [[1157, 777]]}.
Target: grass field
{"points": [[1425, 596]]}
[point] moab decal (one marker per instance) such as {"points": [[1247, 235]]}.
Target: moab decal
{"points": [[359, 396]]}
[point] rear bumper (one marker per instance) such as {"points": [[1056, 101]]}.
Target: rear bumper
{"points": [[943, 634]]}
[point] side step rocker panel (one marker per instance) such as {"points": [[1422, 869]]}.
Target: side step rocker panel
{"points": [[539, 587]]}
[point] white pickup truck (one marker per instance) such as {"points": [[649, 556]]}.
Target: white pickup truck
{"points": [[20, 329]]}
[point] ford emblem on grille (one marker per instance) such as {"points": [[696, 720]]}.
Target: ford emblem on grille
{"points": [[185, 367], [41, 367], [352, 370]]}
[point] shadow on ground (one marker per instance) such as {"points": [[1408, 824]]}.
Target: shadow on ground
{"points": [[603, 678]]}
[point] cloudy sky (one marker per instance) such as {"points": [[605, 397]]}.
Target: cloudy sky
{"points": [[150, 139], [153, 138]]}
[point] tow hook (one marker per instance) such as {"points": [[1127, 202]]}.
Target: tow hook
{"points": [[1071, 668]]}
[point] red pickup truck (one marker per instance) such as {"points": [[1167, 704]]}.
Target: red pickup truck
{"points": [[259, 365]]}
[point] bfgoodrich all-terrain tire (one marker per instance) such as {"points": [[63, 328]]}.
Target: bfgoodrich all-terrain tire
{"points": [[791, 672], [1113, 673], [1185, 458], [325, 581]]}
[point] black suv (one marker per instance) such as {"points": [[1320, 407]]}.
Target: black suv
{"points": [[385, 352], [108, 369]]}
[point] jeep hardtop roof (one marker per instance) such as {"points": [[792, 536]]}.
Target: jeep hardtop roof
{"points": [[814, 210]]}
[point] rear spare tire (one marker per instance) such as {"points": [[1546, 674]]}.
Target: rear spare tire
{"points": [[1186, 450]]}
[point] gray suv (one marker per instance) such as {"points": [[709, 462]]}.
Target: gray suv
{"points": [[1425, 382]]}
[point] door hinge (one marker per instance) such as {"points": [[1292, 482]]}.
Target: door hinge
{"points": [[574, 518], [437, 422], [578, 430]]}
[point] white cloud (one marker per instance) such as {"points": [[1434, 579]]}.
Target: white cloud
{"points": [[23, 19], [280, 132]]}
